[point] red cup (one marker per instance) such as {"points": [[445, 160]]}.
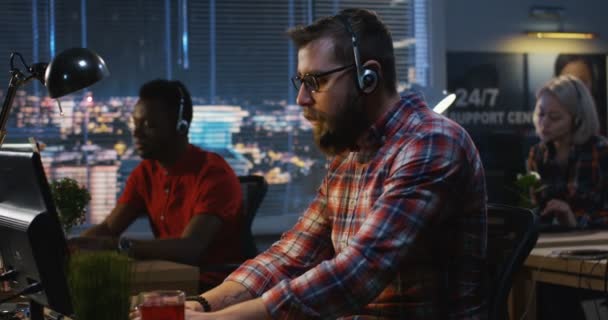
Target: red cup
{"points": [[162, 305]]}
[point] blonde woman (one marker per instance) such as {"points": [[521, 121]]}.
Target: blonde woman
{"points": [[571, 158]]}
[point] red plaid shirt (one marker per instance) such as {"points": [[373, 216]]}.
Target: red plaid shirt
{"points": [[583, 184], [396, 231]]}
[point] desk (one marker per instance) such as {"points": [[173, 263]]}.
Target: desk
{"points": [[593, 237], [159, 275], [156, 274], [543, 265]]}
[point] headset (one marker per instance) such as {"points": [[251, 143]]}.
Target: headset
{"points": [[367, 79], [182, 125], [579, 98]]}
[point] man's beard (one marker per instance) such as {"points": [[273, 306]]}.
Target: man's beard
{"points": [[338, 133]]}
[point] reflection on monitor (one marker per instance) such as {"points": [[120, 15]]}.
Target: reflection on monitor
{"points": [[31, 239]]}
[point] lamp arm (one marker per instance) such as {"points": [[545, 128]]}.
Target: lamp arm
{"points": [[17, 54], [17, 79]]}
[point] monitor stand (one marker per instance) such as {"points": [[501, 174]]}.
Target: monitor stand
{"points": [[36, 311]]}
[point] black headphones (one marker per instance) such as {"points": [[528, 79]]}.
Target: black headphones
{"points": [[578, 93], [182, 125], [579, 98], [367, 79]]}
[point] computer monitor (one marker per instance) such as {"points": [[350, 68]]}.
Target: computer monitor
{"points": [[32, 241]]}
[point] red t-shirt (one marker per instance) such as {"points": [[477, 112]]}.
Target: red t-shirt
{"points": [[200, 182]]}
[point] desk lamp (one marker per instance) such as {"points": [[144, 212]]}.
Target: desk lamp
{"points": [[71, 70]]}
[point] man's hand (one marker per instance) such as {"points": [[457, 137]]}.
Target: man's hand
{"points": [[252, 309], [561, 210], [194, 306], [248, 310], [93, 243]]}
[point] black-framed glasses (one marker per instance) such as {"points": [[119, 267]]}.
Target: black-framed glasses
{"points": [[311, 80]]}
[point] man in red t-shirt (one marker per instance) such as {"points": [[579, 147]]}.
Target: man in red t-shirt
{"points": [[191, 197]]}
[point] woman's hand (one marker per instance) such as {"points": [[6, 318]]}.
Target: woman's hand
{"points": [[561, 210]]}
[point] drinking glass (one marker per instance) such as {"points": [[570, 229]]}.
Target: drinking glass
{"points": [[161, 305]]}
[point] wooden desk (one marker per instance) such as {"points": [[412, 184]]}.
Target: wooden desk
{"points": [[585, 238], [544, 265], [156, 275], [159, 275]]}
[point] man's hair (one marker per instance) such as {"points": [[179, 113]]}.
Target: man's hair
{"points": [[168, 92], [374, 40], [576, 98]]}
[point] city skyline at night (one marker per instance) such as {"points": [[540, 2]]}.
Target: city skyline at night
{"points": [[92, 143], [233, 56]]}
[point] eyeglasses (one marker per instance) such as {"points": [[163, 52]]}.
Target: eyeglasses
{"points": [[311, 80]]}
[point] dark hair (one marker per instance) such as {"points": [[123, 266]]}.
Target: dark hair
{"points": [[375, 41], [169, 93], [564, 59]]}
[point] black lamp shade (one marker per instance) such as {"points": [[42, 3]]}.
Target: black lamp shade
{"points": [[72, 70]]}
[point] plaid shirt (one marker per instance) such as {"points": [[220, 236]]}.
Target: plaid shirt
{"points": [[583, 184], [396, 231]]}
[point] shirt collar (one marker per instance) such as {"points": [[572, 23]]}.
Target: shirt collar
{"points": [[388, 124], [184, 162]]}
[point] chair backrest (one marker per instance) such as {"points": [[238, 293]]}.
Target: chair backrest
{"points": [[512, 233], [254, 190]]}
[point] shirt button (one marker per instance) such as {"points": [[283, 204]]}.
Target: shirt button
{"points": [[162, 217], [167, 190]]}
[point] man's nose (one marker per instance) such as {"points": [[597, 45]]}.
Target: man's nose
{"points": [[304, 97]]}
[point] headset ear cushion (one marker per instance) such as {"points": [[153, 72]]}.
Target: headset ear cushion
{"points": [[182, 127], [369, 80]]}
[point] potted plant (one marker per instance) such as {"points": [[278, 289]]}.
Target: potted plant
{"points": [[71, 200], [527, 184], [100, 285]]}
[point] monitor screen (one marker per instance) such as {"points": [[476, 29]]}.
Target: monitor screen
{"points": [[32, 241]]}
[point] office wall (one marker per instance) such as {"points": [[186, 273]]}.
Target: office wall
{"points": [[498, 25]]}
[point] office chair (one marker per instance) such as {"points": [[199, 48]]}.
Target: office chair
{"points": [[254, 190], [512, 234]]}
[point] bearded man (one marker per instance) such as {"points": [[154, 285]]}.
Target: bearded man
{"points": [[397, 229]]}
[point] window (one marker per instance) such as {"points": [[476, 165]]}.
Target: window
{"points": [[232, 54]]}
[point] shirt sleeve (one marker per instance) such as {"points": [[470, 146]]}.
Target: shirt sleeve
{"points": [[131, 195], [219, 193], [531, 164], [414, 193], [298, 250]]}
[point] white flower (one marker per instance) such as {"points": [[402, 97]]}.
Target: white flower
{"points": [[535, 175]]}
